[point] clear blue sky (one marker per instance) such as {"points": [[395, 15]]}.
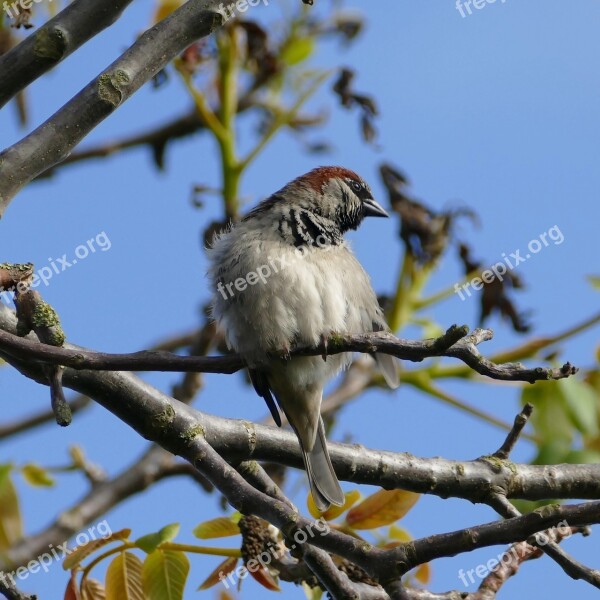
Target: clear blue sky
{"points": [[498, 110]]}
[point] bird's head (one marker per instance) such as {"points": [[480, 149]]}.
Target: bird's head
{"points": [[335, 193]]}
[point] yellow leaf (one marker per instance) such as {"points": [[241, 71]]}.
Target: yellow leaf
{"points": [[397, 533], [92, 589], [216, 528], [315, 593], [381, 508], [76, 555], [423, 574], [165, 8], [124, 578], [351, 498], [226, 567], [36, 476], [164, 575], [11, 524]]}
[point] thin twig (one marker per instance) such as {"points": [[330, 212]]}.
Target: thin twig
{"points": [[569, 565], [456, 343], [521, 419]]}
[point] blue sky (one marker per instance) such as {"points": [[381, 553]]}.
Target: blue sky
{"points": [[498, 110]]}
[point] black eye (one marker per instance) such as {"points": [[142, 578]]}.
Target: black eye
{"points": [[356, 186]]}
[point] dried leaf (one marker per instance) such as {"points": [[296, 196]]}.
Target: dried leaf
{"points": [[264, 577], [423, 574], [222, 570], [72, 590]]}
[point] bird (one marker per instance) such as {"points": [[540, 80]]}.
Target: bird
{"points": [[284, 276]]}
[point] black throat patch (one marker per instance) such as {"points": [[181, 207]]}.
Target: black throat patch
{"points": [[302, 227]]}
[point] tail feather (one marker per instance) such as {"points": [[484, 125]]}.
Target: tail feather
{"points": [[388, 366], [324, 485]]}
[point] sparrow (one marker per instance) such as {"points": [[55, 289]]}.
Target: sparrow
{"points": [[284, 276]]}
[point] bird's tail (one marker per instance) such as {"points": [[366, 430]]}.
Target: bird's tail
{"points": [[324, 485]]}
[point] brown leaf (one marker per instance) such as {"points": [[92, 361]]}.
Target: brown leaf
{"points": [[72, 591], [264, 577], [222, 570]]}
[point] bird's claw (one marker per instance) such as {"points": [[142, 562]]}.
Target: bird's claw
{"points": [[324, 342]]}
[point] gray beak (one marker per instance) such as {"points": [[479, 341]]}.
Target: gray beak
{"points": [[373, 209]]}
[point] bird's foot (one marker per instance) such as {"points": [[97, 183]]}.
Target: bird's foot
{"points": [[324, 342], [284, 353]]}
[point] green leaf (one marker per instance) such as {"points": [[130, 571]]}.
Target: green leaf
{"points": [[5, 470], [582, 404], [553, 452], [297, 50], [164, 575], [36, 476], [582, 457], [595, 281], [148, 543], [124, 578], [550, 418]]}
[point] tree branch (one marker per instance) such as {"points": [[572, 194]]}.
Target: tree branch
{"points": [[53, 140], [199, 438], [155, 464], [456, 343], [157, 416], [79, 22]]}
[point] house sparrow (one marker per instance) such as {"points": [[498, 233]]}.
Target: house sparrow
{"points": [[285, 276]]}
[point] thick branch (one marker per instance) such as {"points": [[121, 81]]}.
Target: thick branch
{"points": [[53, 140], [79, 22], [157, 416], [204, 441]]}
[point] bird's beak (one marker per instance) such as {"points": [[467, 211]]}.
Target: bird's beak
{"points": [[374, 209]]}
